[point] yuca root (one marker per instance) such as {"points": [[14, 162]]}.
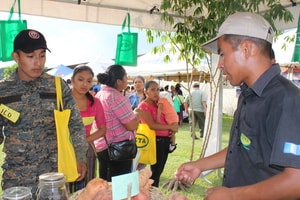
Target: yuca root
{"points": [[174, 185]]}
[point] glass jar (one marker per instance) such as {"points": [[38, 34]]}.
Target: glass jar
{"points": [[17, 193], [52, 186]]}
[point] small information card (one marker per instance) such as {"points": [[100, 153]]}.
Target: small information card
{"points": [[126, 185]]}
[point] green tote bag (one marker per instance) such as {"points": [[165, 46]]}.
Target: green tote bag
{"points": [[8, 31], [126, 52]]}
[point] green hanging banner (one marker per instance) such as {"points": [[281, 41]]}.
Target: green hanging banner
{"points": [[296, 55], [8, 31]]}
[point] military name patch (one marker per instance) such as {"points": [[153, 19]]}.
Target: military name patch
{"points": [[291, 148], [9, 113]]}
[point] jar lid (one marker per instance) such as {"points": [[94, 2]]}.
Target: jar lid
{"points": [[52, 177], [15, 193]]}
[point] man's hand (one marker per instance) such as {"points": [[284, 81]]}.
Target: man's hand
{"points": [[81, 168], [188, 172]]}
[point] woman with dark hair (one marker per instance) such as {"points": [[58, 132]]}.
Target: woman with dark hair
{"points": [[138, 95], [121, 121], [178, 100], [163, 130], [91, 112], [178, 89]]}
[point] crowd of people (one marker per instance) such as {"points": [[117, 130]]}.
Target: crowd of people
{"points": [[260, 162], [99, 116]]}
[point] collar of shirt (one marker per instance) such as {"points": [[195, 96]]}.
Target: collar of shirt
{"points": [[262, 81]]}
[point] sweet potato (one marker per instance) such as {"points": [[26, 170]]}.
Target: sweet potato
{"points": [[143, 195], [93, 188], [105, 194], [144, 175], [148, 184]]}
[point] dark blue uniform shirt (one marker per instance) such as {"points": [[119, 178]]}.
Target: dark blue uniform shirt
{"points": [[265, 134]]}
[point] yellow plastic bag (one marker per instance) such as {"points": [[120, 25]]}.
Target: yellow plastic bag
{"points": [[146, 143], [66, 158]]}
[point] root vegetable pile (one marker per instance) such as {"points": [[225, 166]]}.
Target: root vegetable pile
{"points": [[174, 185], [99, 189]]}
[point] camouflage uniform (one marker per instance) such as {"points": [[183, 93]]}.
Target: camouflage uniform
{"points": [[30, 144]]}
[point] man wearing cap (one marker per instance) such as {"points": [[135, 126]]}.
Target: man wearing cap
{"points": [[198, 103], [28, 98], [262, 160]]}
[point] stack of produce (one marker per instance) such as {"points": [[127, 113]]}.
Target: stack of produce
{"points": [[99, 189]]}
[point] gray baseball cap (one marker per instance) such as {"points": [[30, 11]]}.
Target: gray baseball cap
{"points": [[244, 24]]}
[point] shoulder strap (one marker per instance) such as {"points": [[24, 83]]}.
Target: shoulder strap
{"points": [[11, 12], [59, 101], [127, 18]]}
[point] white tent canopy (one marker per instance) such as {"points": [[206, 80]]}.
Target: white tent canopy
{"points": [[149, 64], [113, 11], [154, 65], [96, 11], [99, 65]]}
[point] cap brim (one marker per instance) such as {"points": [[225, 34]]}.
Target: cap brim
{"points": [[211, 45], [32, 49]]}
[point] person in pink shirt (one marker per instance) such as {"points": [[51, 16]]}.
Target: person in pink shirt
{"points": [[121, 120], [91, 112], [163, 130]]}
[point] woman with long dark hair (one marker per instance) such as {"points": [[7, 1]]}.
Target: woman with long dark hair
{"points": [[91, 112]]}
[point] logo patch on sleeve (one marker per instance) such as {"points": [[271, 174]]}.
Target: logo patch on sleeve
{"points": [[291, 148]]}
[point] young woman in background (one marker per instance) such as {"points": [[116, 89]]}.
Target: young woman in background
{"points": [[92, 113]]}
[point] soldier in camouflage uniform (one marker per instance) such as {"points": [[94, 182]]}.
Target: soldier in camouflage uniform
{"points": [[28, 99]]}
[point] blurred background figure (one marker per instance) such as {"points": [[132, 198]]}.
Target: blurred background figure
{"points": [[178, 101], [136, 97], [198, 98]]}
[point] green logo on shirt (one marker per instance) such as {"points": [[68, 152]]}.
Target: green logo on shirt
{"points": [[245, 141]]}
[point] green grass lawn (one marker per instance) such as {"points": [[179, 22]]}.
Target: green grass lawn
{"points": [[181, 155]]}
